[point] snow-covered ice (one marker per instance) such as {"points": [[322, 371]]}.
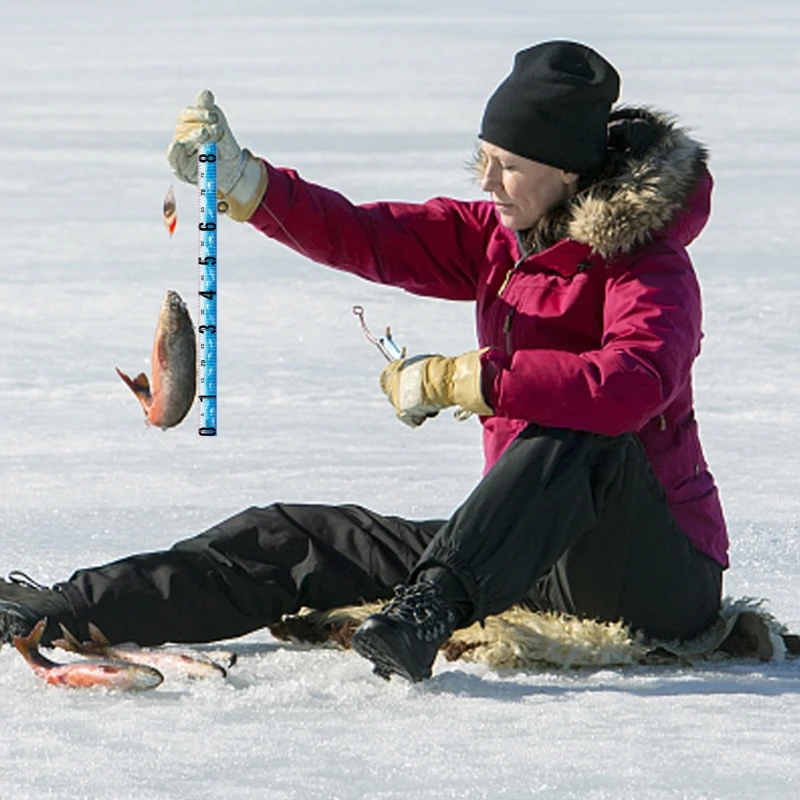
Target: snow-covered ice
{"points": [[380, 100]]}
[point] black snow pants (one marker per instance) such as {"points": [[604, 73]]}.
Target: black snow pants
{"points": [[565, 520]]}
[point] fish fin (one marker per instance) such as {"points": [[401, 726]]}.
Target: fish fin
{"points": [[140, 386], [222, 658], [160, 351], [97, 636], [68, 642]]}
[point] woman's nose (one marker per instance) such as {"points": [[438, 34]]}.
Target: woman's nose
{"points": [[489, 181]]}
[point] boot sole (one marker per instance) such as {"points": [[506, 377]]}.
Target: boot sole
{"points": [[369, 641]]}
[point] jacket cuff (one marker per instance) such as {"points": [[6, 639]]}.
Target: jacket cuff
{"points": [[246, 194], [465, 381], [493, 362]]}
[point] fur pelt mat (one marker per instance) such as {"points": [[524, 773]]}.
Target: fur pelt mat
{"points": [[522, 639]]}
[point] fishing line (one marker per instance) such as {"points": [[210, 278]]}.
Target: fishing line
{"points": [[284, 228], [387, 346]]}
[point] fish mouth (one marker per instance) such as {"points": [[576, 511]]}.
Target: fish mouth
{"points": [[174, 301]]}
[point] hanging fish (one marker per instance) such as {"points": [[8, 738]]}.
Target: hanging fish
{"points": [[173, 366], [81, 674], [170, 211]]}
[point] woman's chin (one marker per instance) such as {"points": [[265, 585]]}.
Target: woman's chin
{"points": [[509, 218], [511, 222]]}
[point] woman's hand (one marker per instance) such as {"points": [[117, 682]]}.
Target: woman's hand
{"points": [[421, 386], [241, 178]]}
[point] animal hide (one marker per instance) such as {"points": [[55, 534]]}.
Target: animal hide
{"points": [[523, 639]]}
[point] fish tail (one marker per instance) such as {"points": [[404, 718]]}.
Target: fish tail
{"points": [[140, 385], [28, 644]]}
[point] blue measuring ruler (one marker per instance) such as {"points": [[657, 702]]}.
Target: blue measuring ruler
{"points": [[207, 328]]}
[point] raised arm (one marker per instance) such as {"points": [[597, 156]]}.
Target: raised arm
{"points": [[434, 248]]}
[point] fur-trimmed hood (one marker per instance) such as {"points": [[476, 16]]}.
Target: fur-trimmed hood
{"points": [[654, 167]]}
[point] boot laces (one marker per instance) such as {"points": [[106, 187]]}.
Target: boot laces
{"points": [[421, 606]]}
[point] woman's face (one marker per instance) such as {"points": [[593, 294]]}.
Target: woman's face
{"points": [[522, 190]]}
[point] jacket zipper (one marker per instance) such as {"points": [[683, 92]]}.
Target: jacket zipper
{"points": [[507, 329], [506, 280], [510, 316], [509, 274]]}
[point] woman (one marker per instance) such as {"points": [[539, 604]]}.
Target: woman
{"points": [[596, 500]]}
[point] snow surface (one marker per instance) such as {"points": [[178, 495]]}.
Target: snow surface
{"points": [[380, 100]]}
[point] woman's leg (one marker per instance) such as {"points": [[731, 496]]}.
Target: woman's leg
{"points": [[577, 517], [246, 573], [655, 581], [577, 522]]}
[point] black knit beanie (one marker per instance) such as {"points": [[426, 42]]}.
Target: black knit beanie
{"points": [[553, 108]]}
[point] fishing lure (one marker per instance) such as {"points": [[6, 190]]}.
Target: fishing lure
{"points": [[388, 347], [170, 210]]}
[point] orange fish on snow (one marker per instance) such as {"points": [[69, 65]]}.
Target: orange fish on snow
{"points": [[173, 366], [84, 674], [188, 664], [170, 211]]}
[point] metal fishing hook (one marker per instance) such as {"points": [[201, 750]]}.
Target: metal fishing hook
{"points": [[388, 347]]}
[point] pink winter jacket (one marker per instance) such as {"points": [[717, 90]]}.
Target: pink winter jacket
{"points": [[597, 331]]}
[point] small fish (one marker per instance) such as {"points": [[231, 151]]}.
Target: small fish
{"points": [[173, 366], [82, 674], [190, 665], [170, 211]]}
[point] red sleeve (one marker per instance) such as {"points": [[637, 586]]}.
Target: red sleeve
{"points": [[652, 319], [433, 248]]}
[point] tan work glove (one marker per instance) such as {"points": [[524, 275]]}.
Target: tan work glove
{"points": [[241, 178], [421, 386]]}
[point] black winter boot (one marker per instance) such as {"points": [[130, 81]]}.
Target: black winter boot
{"points": [[23, 602], [404, 637]]}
